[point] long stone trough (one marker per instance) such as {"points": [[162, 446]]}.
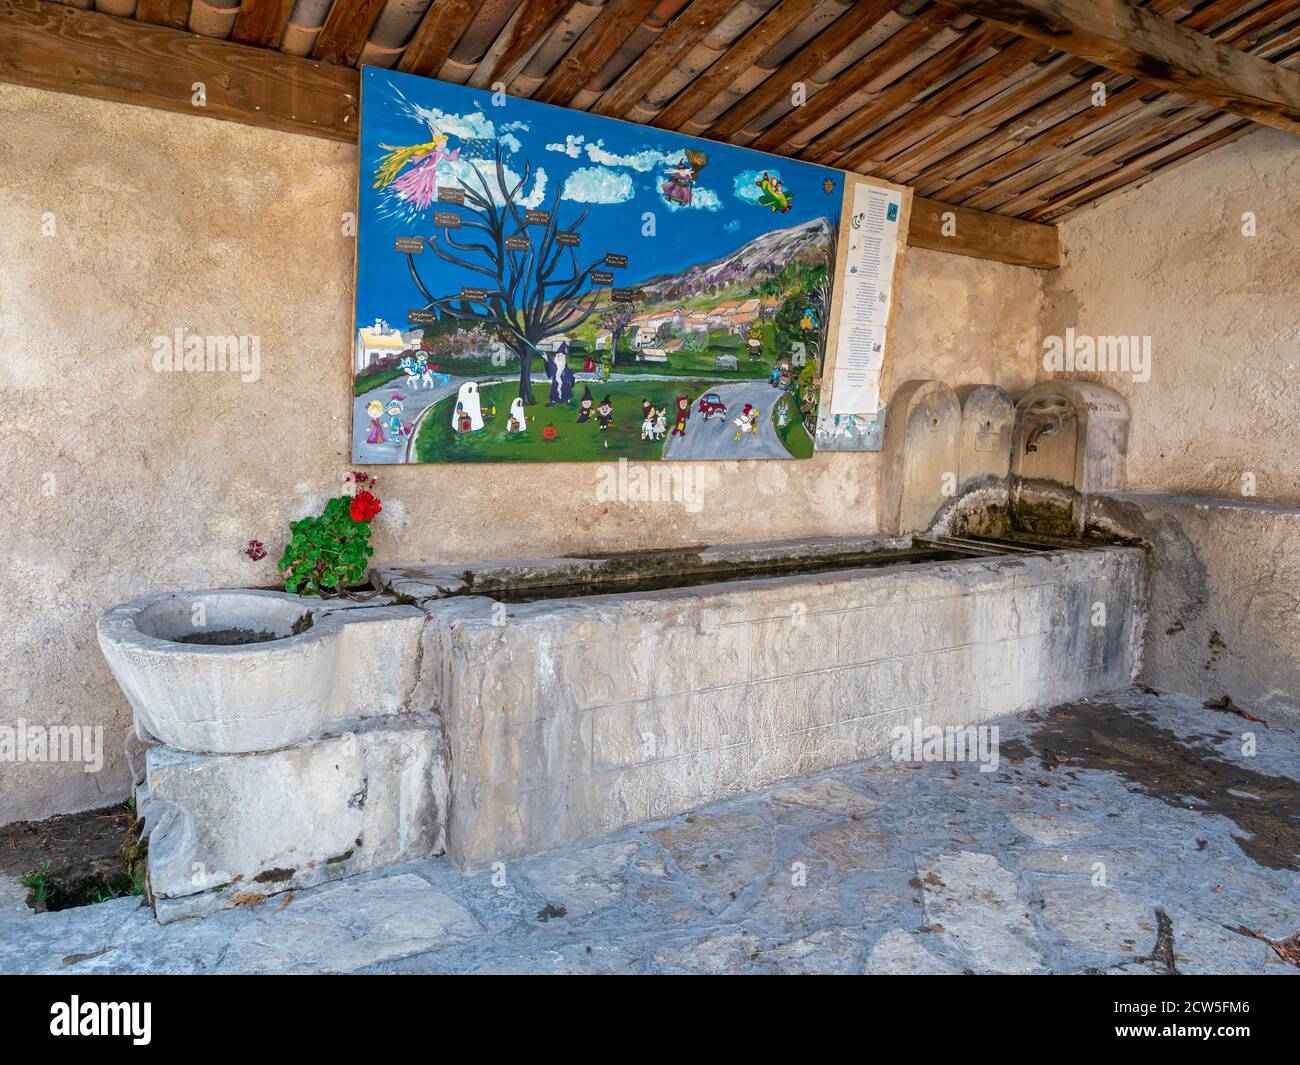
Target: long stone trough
{"points": [[531, 704]]}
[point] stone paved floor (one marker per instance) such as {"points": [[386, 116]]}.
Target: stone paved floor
{"points": [[877, 867]]}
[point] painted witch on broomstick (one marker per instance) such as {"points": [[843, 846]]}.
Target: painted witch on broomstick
{"points": [[679, 183]]}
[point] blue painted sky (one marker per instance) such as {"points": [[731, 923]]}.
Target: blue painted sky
{"points": [[612, 169]]}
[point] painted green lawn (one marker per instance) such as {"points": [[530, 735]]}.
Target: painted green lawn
{"points": [[685, 363], [437, 442], [793, 435], [682, 363], [364, 382]]}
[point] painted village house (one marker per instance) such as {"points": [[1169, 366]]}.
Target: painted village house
{"points": [[376, 342]]}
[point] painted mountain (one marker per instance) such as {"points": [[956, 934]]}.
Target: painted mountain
{"points": [[761, 259]]}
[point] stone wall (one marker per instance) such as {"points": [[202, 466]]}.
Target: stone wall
{"points": [[121, 224], [1222, 599], [1169, 260], [1212, 437], [567, 719]]}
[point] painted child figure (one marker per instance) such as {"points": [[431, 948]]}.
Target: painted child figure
{"points": [[648, 425], [398, 426], [585, 405], [605, 414], [746, 422], [375, 412], [683, 412], [468, 415], [661, 422], [426, 371]]}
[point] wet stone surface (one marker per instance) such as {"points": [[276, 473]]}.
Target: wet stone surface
{"points": [[1125, 835]]}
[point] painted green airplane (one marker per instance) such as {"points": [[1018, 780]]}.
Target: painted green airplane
{"points": [[773, 195]]}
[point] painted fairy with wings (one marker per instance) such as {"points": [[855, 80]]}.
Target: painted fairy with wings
{"points": [[417, 186]]}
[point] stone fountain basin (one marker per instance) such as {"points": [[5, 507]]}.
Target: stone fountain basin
{"points": [[244, 697]]}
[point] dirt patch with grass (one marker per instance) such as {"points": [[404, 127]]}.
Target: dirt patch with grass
{"points": [[75, 859]]}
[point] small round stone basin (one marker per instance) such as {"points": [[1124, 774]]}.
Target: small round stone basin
{"points": [[223, 671], [223, 619]]}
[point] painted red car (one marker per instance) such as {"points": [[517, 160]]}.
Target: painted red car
{"points": [[711, 404]]}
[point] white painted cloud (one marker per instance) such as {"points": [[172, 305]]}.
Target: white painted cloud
{"points": [[572, 146], [471, 127], [597, 184], [701, 200], [475, 126], [746, 186], [639, 161], [461, 172]]}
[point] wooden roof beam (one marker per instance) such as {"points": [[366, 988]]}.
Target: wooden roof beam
{"points": [[963, 231], [52, 46], [1133, 41]]}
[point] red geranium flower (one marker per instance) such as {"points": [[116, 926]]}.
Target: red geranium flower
{"points": [[365, 506], [255, 550]]}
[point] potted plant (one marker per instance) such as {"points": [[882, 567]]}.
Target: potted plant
{"points": [[329, 552]]}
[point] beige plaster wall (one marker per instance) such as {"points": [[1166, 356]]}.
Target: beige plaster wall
{"points": [[1218, 416], [1169, 260], [119, 481]]}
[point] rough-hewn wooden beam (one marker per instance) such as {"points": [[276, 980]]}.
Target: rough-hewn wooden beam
{"points": [[536, 19], [53, 46], [853, 23], [600, 40], [756, 40], [345, 31], [942, 227], [787, 133], [676, 41], [836, 140], [1117, 35], [260, 22], [173, 13], [439, 31]]}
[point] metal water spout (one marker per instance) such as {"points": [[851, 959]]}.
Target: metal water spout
{"points": [[1040, 431]]}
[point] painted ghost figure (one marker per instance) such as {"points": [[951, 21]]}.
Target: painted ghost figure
{"points": [[518, 420], [468, 416]]}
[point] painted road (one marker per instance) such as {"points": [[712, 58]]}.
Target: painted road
{"points": [[714, 438], [419, 400]]}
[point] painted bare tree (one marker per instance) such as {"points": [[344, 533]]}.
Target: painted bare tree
{"points": [[616, 319], [523, 301]]}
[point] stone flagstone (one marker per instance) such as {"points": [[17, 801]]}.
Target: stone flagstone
{"points": [[925, 872]]}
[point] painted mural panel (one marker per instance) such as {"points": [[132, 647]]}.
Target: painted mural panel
{"points": [[536, 284]]}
